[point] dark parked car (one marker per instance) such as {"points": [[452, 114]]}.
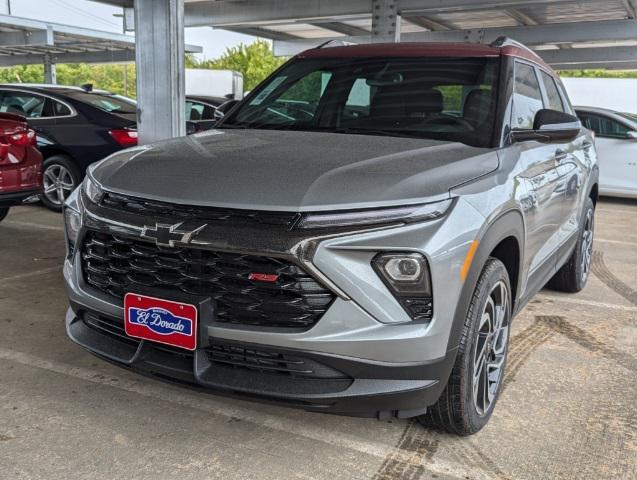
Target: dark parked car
{"points": [[202, 110], [356, 236], [75, 127], [20, 162]]}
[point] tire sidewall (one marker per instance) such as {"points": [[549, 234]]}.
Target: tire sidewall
{"points": [[577, 254], [493, 272], [67, 163], [4, 211]]}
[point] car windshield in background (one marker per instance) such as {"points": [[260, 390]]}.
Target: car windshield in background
{"points": [[439, 98], [106, 102]]}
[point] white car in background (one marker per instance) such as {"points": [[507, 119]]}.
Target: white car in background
{"points": [[616, 142]]}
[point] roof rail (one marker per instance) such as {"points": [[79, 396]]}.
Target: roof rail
{"points": [[335, 43], [504, 41]]}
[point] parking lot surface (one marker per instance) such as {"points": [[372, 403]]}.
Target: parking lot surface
{"points": [[568, 409]]}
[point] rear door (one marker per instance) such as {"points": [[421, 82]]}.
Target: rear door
{"points": [[571, 162], [543, 212], [617, 153]]}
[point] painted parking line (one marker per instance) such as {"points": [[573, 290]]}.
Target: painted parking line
{"points": [[619, 242], [286, 424], [44, 271], [16, 223], [589, 303]]}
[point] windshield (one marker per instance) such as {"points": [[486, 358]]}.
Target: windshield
{"points": [[107, 102], [439, 98]]}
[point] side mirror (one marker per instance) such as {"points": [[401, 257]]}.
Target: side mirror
{"points": [[550, 126], [224, 108], [631, 135]]}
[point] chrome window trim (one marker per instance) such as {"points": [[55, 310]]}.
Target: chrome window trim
{"points": [[73, 111]]}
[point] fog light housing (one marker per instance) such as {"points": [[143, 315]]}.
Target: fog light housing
{"points": [[407, 276]]}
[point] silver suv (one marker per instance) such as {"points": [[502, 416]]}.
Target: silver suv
{"points": [[354, 237]]}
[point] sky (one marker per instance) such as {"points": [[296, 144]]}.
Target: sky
{"points": [[88, 14]]}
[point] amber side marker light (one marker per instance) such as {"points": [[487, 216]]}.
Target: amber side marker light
{"points": [[468, 259]]}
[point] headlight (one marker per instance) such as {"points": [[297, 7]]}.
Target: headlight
{"points": [[406, 214], [72, 224], [91, 189], [407, 275]]}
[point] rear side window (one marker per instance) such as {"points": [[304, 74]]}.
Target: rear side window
{"points": [[603, 126], [552, 93], [527, 97], [23, 103]]}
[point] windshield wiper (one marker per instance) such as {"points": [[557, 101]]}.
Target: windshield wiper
{"points": [[372, 131]]}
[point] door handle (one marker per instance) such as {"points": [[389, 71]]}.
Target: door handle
{"points": [[560, 155]]}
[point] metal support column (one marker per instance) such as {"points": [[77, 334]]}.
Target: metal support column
{"points": [[50, 75], [385, 21], [159, 58]]}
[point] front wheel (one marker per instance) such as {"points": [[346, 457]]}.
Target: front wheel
{"points": [[468, 400], [3, 213], [60, 179]]}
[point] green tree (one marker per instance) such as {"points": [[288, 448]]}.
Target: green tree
{"points": [[599, 73], [255, 62]]}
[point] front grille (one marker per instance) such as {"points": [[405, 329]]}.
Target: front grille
{"points": [[211, 215], [118, 265]]}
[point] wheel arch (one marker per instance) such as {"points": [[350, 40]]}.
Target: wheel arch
{"points": [[503, 239]]}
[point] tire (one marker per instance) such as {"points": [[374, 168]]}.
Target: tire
{"points": [[61, 168], [572, 277], [3, 213], [461, 408]]}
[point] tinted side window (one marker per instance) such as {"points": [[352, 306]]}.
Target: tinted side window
{"points": [[603, 126], [552, 93], [527, 97], [22, 103]]}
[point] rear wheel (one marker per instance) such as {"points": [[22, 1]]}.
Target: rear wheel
{"points": [[572, 277], [61, 177], [472, 391], [3, 213]]}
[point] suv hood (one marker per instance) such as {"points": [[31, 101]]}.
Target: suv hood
{"points": [[292, 170]]}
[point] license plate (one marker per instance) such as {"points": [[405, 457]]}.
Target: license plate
{"points": [[161, 321]]}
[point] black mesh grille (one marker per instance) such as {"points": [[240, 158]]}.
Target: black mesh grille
{"points": [[208, 214], [118, 265]]}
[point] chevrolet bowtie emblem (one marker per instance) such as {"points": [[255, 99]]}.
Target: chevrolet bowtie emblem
{"points": [[167, 235]]}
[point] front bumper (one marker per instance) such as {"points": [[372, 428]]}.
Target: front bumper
{"points": [[337, 384], [390, 365]]}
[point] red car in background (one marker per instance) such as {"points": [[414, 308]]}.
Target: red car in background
{"points": [[20, 162]]}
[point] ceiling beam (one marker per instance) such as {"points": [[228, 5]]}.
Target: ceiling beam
{"points": [[262, 32], [25, 37], [520, 17], [340, 27], [631, 8], [219, 13], [555, 33], [428, 23], [578, 56], [118, 56]]}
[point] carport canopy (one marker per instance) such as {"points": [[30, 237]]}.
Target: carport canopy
{"points": [[24, 41], [568, 34]]}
